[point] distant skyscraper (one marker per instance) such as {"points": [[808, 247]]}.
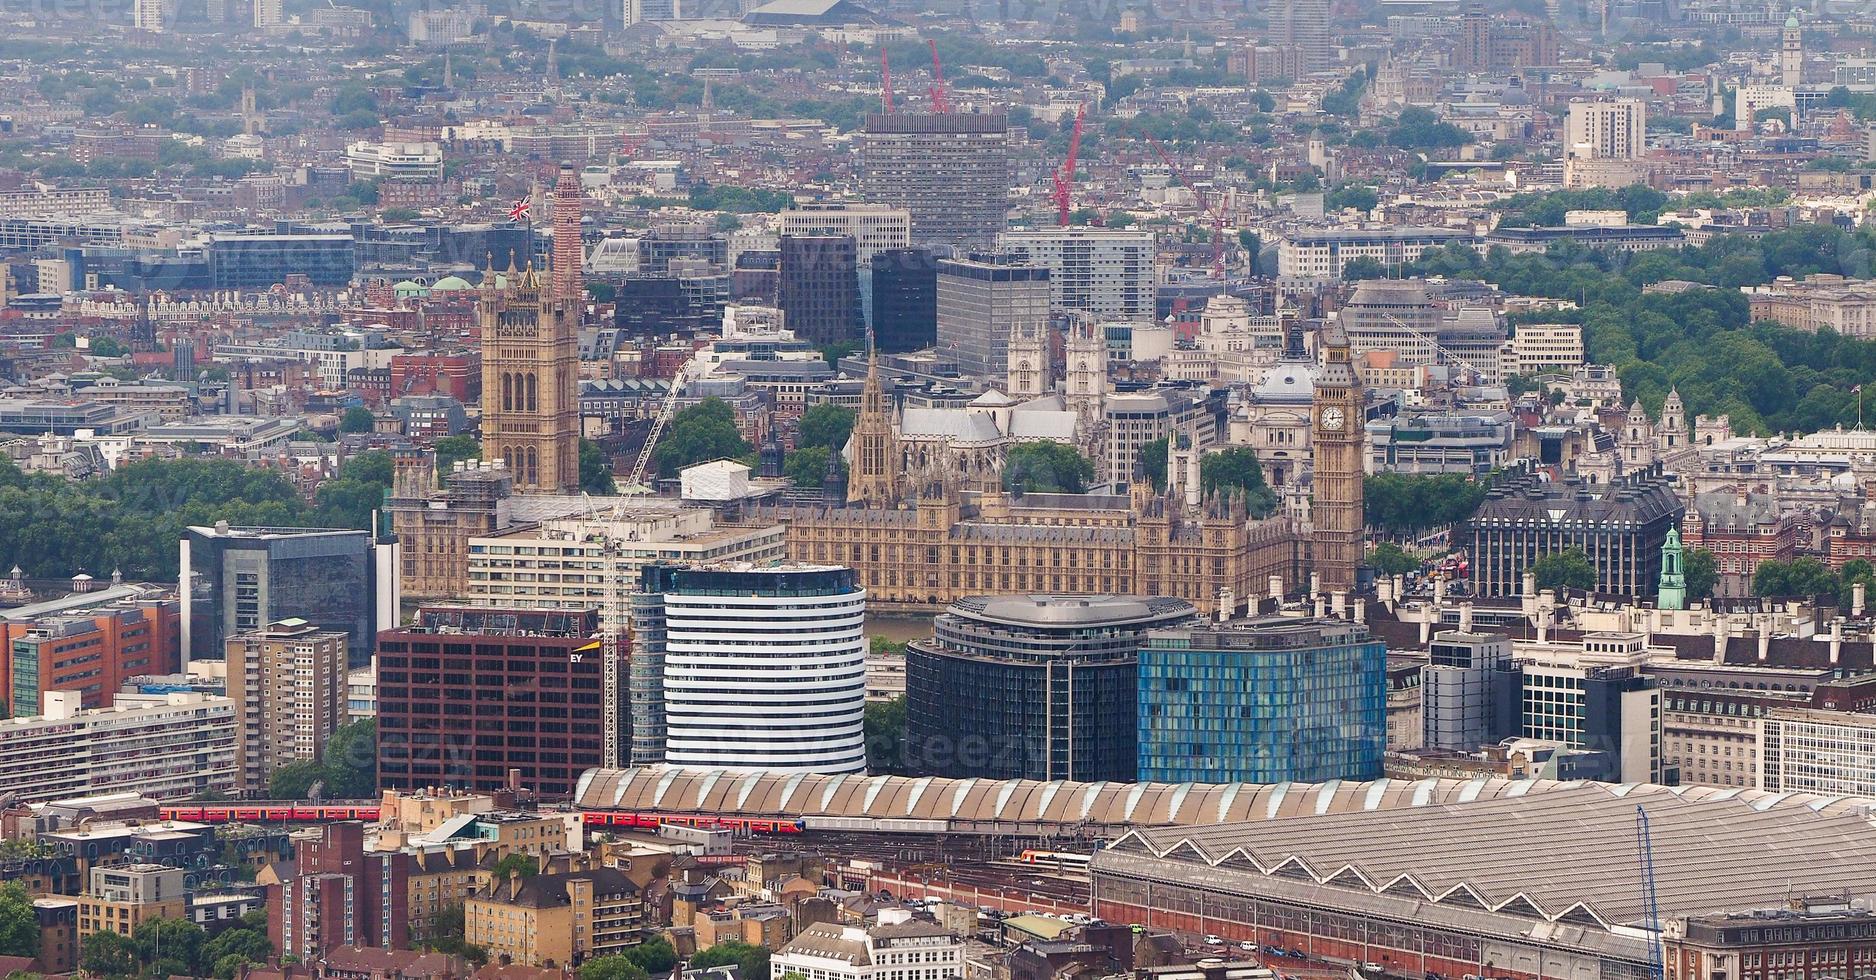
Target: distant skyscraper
{"points": [[787, 695], [905, 300], [287, 680], [819, 288], [981, 301], [639, 11], [1304, 26], [569, 253], [1106, 272], [950, 170], [148, 15], [1612, 130], [267, 14]]}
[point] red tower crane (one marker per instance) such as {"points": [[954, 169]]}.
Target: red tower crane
{"points": [[885, 80], [940, 102], [1217, 213], [1065, 176]]}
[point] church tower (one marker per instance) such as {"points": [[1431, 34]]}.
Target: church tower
{"points": [[875, 460], [1029, 361], [1637, 443], [1673, 588], [530, 380], [1338, 440], [569, 253], [1671, 437], [1791, 53], [1085, 393]]}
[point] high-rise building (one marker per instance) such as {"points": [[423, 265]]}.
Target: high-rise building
{"points": [[639, 11], [335, 893], [951, 171], [905, 300], [62, 646], [569, 250], [149, 15], [164, 746], [1338, 536], [1269, 700], [268, 14], [874, 228], [530, 380], [1396, 315], [1469, 692], [237, 579], [1613, 129], [1031, 686], [981, 301], [1104, 272], [819, 288], [287, 681], [764, 666], [1302, 25], [456, 674]]}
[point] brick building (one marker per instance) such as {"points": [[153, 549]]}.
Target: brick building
{"points": [[1742, 529], [91, 651], [1808, 938], [339, 895]]}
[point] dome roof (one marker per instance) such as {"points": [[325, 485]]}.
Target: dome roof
{"points": [[449, 283], [1287, 382]]}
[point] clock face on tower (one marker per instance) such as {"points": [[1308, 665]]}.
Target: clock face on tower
{"points": [[1332, 419]]}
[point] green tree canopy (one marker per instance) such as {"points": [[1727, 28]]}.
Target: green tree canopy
{"points": [[358, 418], [1798, 577], [754, 960], [451, 450], [1153, 457], [699, 434], [612, 968], [350, 762], [1565, 569], [172, 939], [517, 863], [1702, 570], [1388, 559], [655, 956], [595, 470], [19, 924], [806, 467], [1236, 469], [885, 735], [295, 780], [825, 425], [108, 954], [1046, 467], [1401, 503]]}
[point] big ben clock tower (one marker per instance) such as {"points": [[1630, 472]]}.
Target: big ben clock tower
{"points": [[1338, 439]]}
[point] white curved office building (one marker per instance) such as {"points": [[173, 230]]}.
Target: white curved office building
{"points": [[764, 667]]}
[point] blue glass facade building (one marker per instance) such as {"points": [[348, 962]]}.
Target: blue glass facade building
{"points": [[1265, 700]]}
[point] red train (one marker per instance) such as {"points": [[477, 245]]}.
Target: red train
{"points": [[650, 821], [270, 812]]}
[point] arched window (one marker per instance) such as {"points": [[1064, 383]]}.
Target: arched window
{"points": [[533, 393], [508, 401]]}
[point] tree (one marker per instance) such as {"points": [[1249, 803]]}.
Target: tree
{"points": [[595, 469], [107, 347], [451, 450], [159, 940], [1702, 570], [358, 418], [1565, 569], [754, 960], [107, 954], [19, 924], [295, 780], [1798, 577], [1046, 467], [655, 956], [247, 944], [698, 434], [1153, 462], [825, 425], [612, 968], [835, 351], [350, 763], [1237, 470], [884, 724], [517, 863], [807, 467], [1389, 559]]}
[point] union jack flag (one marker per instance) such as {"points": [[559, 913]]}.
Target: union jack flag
{"points": [[520, 210]]}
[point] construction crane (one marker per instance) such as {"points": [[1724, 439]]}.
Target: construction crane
{"points": [[1447, 352], [1216, 214], [1657, 967], [940, 102], [657, 426], [885, 81], [1065, 176]]}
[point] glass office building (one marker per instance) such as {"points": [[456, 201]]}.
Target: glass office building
{"points": [[1266, 700]]}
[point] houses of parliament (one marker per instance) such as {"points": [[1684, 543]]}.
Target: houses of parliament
{"points": [[920, 540]]}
